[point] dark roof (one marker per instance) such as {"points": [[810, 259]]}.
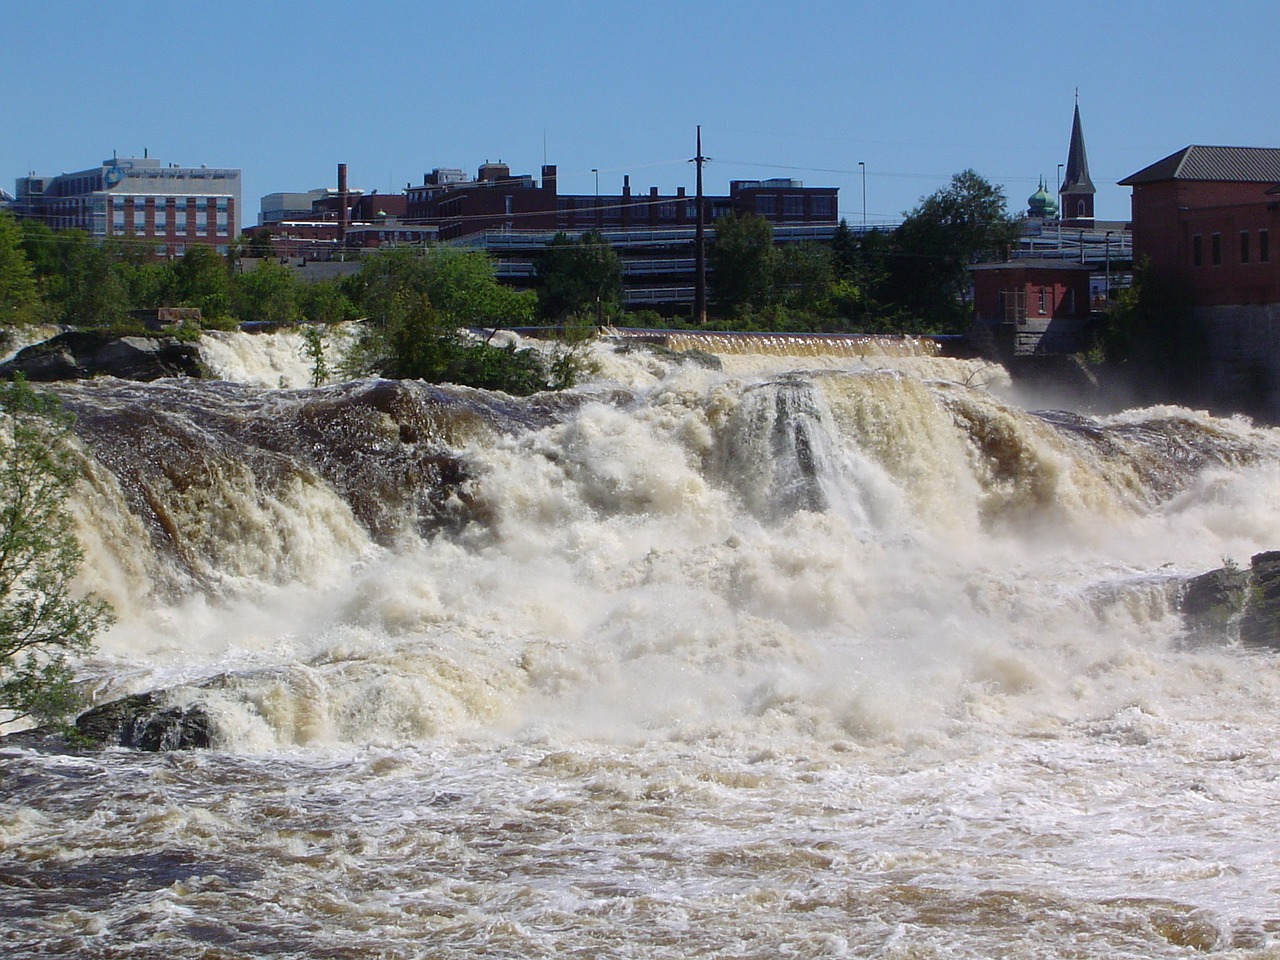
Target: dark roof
{"points": [[1231, 164]]}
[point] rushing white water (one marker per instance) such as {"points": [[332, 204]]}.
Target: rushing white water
{"points": [[803, 657]]}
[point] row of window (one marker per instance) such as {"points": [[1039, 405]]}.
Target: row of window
{"points": [[1244, 248], [219, 203]]}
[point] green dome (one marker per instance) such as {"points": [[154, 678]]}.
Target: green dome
{"points": [[1041, 203]]}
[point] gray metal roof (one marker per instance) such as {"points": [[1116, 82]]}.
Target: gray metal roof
{"points": [[1231, 164]]}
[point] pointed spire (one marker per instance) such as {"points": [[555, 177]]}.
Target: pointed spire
{"points": [[1076, 178]]}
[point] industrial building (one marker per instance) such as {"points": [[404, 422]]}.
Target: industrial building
{"points": [[170, 207]]}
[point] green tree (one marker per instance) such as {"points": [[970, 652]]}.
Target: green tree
{"points": [[42, 620], [578, 277], [804, 275], [463, 287], [202, 279], [19, 295], [963, 223], [416, 305], [742, 261], [267, 294], [323, 301], [94, 295]]}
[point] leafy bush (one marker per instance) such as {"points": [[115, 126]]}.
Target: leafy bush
{"points": [[42, 622]]}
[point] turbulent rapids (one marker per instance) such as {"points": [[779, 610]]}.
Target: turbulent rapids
{"points": [[801, 652]]}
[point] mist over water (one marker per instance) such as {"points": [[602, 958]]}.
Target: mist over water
{"points": [[827, 652]]}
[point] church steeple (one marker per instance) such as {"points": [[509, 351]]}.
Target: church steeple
{"points": [[1077, 189]]}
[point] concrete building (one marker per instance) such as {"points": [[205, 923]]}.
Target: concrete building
{"points": [[167, 206], [276, 207]]}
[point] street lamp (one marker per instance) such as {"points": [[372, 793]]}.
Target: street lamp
{"points": [[864, 195], [596, 212]]}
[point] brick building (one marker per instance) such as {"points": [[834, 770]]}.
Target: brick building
{"points": [[498, 200], [168, 206], [1203, 219], [1025, 307], [1205, 215]]}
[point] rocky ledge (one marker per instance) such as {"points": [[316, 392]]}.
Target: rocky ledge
{"points": [[81, 354]]}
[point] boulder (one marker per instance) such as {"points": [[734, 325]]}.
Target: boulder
{"points": [[1260, 623], [81, 354], [1232, 603], [1213, 602], [145, 722]]}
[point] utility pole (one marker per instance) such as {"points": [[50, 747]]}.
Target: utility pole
{"points": [[700, 245], [863, 165]]}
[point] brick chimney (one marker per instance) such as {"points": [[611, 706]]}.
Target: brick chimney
{"points": [[342, 202]]}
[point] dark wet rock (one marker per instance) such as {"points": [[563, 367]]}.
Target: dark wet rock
{"points": [[145, 722], [1260, 622], [1213, 602], [1232, 603], [82, 354]]}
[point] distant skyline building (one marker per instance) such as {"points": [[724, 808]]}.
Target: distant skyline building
{"points": [[169, 206]]}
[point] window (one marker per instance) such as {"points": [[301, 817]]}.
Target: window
{"points": [[161, 211], [507, 203], [1041, 300], [793, 206], [667, 210], [180, 217], [1215, 248], [824, 206], [1197, 250], [1264, 247], [1069, 302], [139, 215], [767, 206], [1244, 246]]}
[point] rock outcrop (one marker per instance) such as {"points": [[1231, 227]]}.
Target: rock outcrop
{"points": [[81, 354], [144, 722], [1234, 603]]}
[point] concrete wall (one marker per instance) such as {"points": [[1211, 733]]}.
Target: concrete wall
{"points": [[1243, 363]]}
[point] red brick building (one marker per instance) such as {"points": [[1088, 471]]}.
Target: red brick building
{"points": [[498, 200], [1028, 306], [1205, 217]]}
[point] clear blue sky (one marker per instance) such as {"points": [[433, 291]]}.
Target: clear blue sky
{"points": [[916, 91]]}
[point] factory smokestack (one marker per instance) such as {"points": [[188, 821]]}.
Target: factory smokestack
{"points": [[342, 202]]}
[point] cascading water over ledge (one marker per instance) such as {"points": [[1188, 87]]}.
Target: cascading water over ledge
{"points": [[808, 654]]}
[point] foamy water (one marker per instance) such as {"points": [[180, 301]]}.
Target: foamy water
{"points": [[845, 657]]}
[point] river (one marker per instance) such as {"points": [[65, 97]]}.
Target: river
{"points": [[818, 653]]}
